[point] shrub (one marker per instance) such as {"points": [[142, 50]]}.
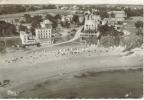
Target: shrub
{"points": [[139, 24], [91, 40], [132, 41], [2, 47], [109, 40]]}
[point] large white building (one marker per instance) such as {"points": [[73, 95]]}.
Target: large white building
{"points": [[91, 23], [27, 39], [44, 34]]}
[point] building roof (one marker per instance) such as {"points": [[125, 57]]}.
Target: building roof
{"points": [[47, 22], [119, 12], [43, 28]]}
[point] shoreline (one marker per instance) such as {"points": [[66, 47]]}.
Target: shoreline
{"points": [[21, 76]]}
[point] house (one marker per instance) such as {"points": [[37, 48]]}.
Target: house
{"points": [[14, 21], [46, 24], [91, 23], [87, 12], [65, 18], [28, 25], [69, 18], [28, 39], [81, 19], [22, 19], [75, 7], [109, 21], [44, 33], [118, 15], [90, 28], [64, 8], [112, 22]]}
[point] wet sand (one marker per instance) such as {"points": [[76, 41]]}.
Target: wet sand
{"points": [[111, 84]]}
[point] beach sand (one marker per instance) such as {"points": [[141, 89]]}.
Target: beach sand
{"points": [[39, 67]]}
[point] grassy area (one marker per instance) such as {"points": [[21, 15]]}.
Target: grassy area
{"points": [[38, 12], [130, 26], [131, 41], [9, 42]]}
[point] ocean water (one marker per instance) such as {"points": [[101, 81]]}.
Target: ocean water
{"points": [[110, 84]]}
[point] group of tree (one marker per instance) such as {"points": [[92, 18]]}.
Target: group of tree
{"points": [[12, 9], [103, 14], [75, 19], [53, 19], [108, 36], [133, 12], [28, 18], [134, 40], [49, 6], [139, 27], [7, 29]]}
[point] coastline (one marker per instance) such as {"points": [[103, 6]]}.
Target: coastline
{"points": [[57, 67]]}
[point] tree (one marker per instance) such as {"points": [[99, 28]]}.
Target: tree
{"points": [[75, 19], [67, 24], [49, 6], [104, 14], [22, 28], [139, 24], [28, 18], [57, 16], [133, 12], [11, 9], [112, 15], [54, 20], [139, 27], [36, 21], [139, 32], [7, 29], [50, 17]]}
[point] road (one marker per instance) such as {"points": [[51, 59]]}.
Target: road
{"points": [[12, 37], [77, 35]]}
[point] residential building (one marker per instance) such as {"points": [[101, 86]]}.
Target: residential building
{"points": [[118, 15], [91, 23], [75, 7], [112, 22], [65, 18], [81, 19], [22, 19], [14, 21], [46, 24], [44, 34], [27, 39]]}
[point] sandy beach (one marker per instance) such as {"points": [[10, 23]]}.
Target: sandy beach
{"points": [[28, 69]]}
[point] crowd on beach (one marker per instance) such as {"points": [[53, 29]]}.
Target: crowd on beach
{"points": [[46, 54]]}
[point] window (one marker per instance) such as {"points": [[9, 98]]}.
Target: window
{"points": [[38, 35]]}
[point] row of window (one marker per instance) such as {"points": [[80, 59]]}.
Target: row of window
{"points": [[43, 31], [90, 26], [44, 35]]}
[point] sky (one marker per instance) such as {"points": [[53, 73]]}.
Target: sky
{"points": [[71, 2]]}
